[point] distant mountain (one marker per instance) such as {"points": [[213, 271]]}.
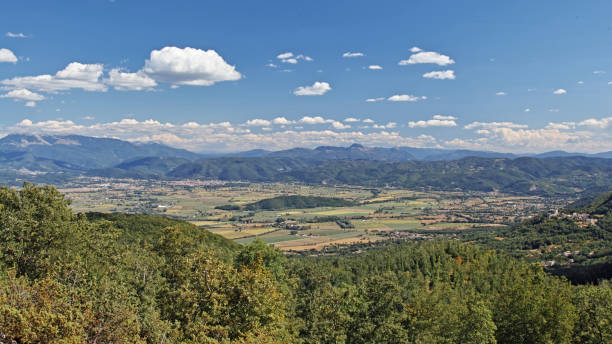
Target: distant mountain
{"points": [[353, 152], [248, 169], [86, 152], [141, 168], [525, 175], [359, 152]]}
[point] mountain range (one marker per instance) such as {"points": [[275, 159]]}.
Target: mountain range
{"points": [[72, 155]]}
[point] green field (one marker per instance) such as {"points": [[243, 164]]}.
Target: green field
{"points": [[374, 214]]}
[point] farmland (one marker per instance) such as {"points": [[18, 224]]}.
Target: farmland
{"points": [[374, 214]]}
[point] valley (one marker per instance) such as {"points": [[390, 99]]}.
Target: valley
{"points": [[373, 214]]}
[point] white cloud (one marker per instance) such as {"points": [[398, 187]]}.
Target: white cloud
{"points": [[444, 117], [30, 104], [601, 123], [349, 54], [404, 98], [500, 93], [368, 120], [389, 125], [351, 119], [189, 66], [371, 100], [559, 91], [272, 65], [314, 120], [492, 125], [317, 89], [257, 122], [441, 75], [288, 57], [225, 136], [7, 56], [427, 57], [580, 82], [527, 110], [16, 35], [282, 121], [437, 121], [75, 75], [599, 72], [124, 81], [339, 125], [561, 126], [375, 67], [284, 56], [23, 94], [415, 49]]}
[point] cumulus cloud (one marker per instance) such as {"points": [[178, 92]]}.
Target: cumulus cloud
{"points": [[493, 125], [500, 93], [317, 89], [351, 119], [189, 66], [601, 123], [224, 136], [559, 91], [436, 121], [444, 117], [339, 125], [561, 125], [257, 122], [23, 94], [375, 67], [427, 57], [415, 49], [349, 54], [389, 125], [30, 104], [314, 120], [123, 81], [372, 100], [405, 98], [7, 56], [440, 75], [368, 120], [282, 121], [75, 75], [288, 57]]}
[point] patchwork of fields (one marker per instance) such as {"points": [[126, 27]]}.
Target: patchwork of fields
{"points": [[376, 214]]}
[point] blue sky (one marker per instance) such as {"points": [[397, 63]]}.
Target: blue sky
{"points": [[520, 76]]}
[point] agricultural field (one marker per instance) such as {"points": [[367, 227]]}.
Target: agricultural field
{"points": [[374, 214]]}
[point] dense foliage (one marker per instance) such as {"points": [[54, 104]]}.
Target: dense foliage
{"points": [[297, 202], [577, 242], [70, 278]]}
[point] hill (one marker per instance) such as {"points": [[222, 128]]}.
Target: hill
{"points": [[576, 242], [100, 278], [84, 151], [297, 202]]}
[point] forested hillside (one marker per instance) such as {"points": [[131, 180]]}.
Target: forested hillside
{"points": [[98, 278]]}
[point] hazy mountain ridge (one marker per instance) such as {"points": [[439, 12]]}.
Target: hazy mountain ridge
{"points": [[547, 173], [86, 152]]}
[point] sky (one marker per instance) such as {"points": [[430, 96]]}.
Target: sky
{"points": [[512, 76]]}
